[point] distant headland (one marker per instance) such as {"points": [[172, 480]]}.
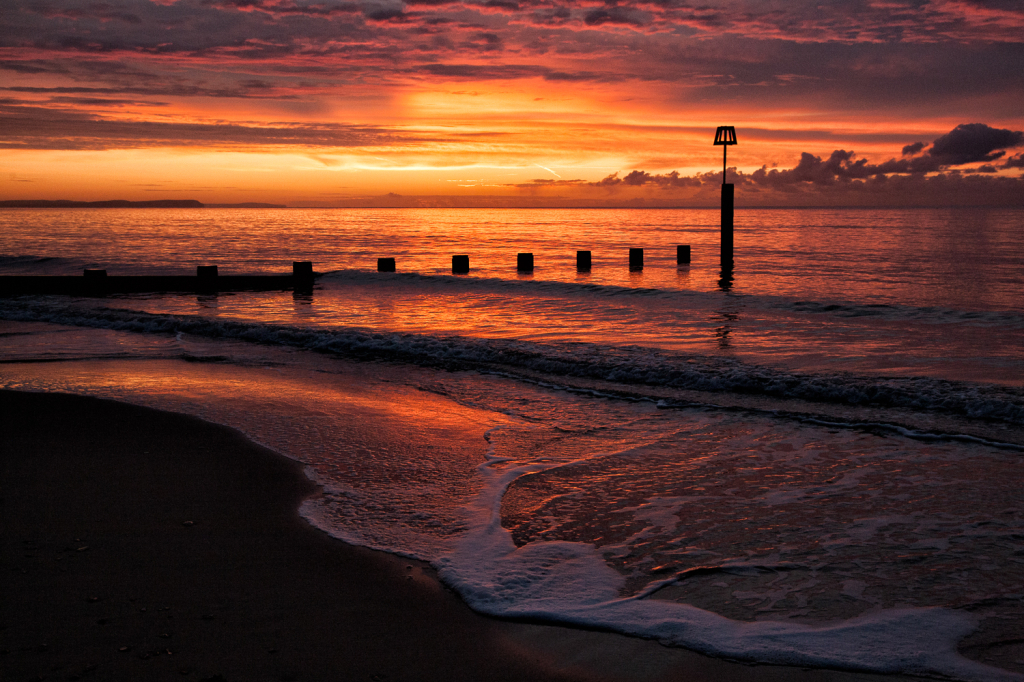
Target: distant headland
{"points": [[121, 203]]}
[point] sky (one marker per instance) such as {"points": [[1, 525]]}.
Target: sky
{"points": [[513, 102]]}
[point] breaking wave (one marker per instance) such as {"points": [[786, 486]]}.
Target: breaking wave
{"points": [[629, 366]]}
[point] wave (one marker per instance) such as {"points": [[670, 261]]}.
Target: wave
{"points": [[677, 297], [626, 366], [39, 265], [926, 314], [502, 285]]}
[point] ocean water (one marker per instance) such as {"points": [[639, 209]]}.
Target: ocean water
{"points": [[814, 459]]}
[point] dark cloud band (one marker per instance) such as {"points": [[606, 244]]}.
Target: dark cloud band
{"points": [[26, 127]]}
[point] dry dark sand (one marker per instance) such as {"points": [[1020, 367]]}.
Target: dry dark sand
{"points": [[143, 545]]}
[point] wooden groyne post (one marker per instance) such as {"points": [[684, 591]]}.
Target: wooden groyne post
{"points": [[524, 262], [302, 269], [206, 279], [96, 282], [302, 276], [683, 254], [636, 259], [460, 264], [582, 261], [385, 265]]}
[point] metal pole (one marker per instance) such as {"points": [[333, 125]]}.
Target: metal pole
{"points": [[728, 198]]}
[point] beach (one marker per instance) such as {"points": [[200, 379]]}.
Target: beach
{"points": [[816, 466], [141, 544]]}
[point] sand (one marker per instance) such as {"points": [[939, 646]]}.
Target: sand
{"points": [[143, 545]]}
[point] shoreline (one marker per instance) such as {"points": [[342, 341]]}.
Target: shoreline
{"points": [[142, 544]]}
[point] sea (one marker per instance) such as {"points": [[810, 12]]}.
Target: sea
{"points": [[812, 459]]}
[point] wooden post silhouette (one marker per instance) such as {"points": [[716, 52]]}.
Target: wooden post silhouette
{"points": [[636, 259], [385, 265], [302, 277], [460, 264], [95, 281], [683, 253], [207, 276], [583, 261], [524, 262]]}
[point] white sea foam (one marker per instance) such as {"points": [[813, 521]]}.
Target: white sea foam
{"points": [[569, 582]]}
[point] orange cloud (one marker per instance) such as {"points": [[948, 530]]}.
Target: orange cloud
{"points": [[413, 93]]}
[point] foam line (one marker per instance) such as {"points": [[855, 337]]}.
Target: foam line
{"points": [[628, 365], [569, 582]]}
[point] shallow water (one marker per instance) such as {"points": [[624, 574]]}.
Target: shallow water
{"points": [[964, 259], [839, 439]]}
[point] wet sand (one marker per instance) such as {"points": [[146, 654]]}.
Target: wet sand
{"points": [[138, 544]]}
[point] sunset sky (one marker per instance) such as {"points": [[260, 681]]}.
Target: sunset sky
{"points": [[512, 102]]}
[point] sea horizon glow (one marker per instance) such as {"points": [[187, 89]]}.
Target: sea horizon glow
{"points": [[535, 103]]}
